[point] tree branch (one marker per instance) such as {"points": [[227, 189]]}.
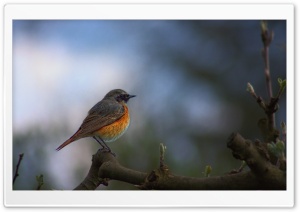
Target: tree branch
{"points": [[270, 106], [256, 156], [106, 167], [17, 169], [267, 38]]}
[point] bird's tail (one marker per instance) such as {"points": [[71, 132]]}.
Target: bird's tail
{"points": [[67, 142], [70, 140]]}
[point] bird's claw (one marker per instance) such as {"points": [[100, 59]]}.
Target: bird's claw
{"points": [[109, 151]]}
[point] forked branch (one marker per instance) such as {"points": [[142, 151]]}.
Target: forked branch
{"points": [[105, 167]]}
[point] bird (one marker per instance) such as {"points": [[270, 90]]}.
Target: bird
{"points": [[106, 121]]}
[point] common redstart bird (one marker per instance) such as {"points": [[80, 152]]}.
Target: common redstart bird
{"points": [[106, 121]]}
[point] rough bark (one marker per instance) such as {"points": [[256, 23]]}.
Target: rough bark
{"points": [[263, 175]]}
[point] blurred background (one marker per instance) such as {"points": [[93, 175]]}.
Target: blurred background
{"points": [[190, 79]]}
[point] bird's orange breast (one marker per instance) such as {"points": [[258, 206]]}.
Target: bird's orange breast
{"points": [[113, 131]]}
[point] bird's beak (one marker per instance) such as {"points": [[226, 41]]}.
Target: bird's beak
{"points": [[131, 96]]}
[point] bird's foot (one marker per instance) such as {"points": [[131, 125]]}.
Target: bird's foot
{"points": [[109, 151]]}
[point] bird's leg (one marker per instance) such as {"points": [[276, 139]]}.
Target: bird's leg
{"points": [[104, 146]]}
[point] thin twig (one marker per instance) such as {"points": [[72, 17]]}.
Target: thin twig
{"points": [[161, 155], [17, 169], [267, 70], [258, 99], [267, 38]]}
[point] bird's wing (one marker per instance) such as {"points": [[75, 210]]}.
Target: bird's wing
{"points": [[102, 114]]}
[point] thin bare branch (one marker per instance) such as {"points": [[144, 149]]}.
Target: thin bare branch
{"points": [[18, 166], [267, 38]]}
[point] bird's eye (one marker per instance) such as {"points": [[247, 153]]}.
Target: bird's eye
{"points": [[124, 96], [121, 97]]}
